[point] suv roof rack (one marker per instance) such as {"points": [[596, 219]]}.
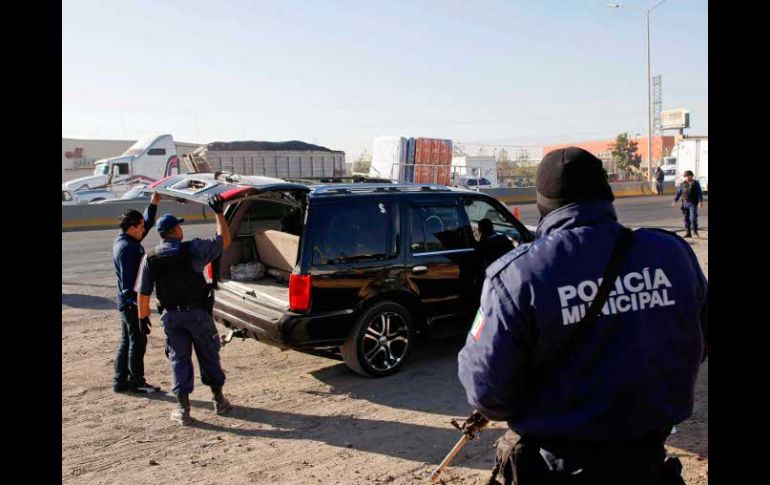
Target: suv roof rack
{"points": [[370, 187], [357, 179]]}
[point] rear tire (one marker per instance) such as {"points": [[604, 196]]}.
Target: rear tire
{"points": [[380, 341]]}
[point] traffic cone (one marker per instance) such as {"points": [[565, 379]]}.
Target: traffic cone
{"points": [[516, 212]]}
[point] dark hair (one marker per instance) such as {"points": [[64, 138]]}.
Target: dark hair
{"points": [[689, 172], [130, 218], [485, 226]]}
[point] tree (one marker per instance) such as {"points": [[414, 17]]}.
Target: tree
{"points": [[624, 153], [362, 163], [502, 156], [523, 157]]}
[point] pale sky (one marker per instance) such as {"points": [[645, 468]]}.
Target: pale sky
{"points": [[339, 73]]}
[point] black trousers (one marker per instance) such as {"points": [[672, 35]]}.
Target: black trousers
{"points": [[129, 360], [639, 462]]}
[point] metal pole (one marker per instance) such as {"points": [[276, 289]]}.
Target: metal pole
{"points": [[649, 104]]}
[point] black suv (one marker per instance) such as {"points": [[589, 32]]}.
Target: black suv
{"points": [[350, 270]]}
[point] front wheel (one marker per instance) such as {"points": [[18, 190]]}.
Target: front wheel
{"points": [[380, 341]]}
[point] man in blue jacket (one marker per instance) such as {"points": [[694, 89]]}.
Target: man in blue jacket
{"points": [[127, 252], [690, 193], [602, 414]]}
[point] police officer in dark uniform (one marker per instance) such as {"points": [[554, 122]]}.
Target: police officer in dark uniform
{"points": [[690, 193], [492, 244], [127, 252], [596, 409], [175, 269], [659, 178]]}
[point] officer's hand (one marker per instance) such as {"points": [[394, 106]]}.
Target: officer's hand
{"points": [[701, 205], [673, 204], [217, 204], [155, 198], [144, 325]]}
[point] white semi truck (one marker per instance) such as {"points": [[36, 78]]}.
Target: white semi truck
{"points": [[146, 161]]}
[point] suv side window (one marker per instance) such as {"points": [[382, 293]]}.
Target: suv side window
{"points": [[437, 228], [478, 209], [362, 230]]}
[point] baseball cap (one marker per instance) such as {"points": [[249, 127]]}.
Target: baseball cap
{"points": [[168, 222]]}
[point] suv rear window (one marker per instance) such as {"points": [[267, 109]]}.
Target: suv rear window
{"points": [[364, 231]]}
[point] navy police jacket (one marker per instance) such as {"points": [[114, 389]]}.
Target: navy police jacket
{"points": [[634, 372], [127, 253]]}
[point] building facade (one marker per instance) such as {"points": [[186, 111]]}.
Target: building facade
{"points": [[661, 147]]}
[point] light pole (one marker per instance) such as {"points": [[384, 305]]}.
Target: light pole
{"points": [[649, 88]]}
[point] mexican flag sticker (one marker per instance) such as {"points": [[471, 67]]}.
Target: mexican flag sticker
{"points": [[478, 325]]}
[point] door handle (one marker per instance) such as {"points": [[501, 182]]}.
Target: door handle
{"points": [[419, 270]]}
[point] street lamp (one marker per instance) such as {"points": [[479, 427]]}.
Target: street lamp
{"points": [[649, 87]]}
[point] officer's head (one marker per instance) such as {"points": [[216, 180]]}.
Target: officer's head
{"points": [[132, 223], [688, 175], [570, 175], [485, 227], [169, 227]]}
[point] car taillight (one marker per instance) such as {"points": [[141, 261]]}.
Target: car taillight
{"points": [[299, 292]]}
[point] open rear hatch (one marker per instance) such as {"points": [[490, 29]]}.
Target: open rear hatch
{"points": [[252, 275], [198, 187]]}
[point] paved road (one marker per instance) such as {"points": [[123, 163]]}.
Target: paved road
{"points": [[648, 211], [87, 255]]}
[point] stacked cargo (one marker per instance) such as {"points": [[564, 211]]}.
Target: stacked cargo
{"points": [[421, 160], [293, 159]]}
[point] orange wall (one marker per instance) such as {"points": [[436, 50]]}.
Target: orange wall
{"points": [[601, 149]]}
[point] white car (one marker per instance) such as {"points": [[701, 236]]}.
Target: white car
{"points": [[85, 196], [474, 183], [137, 193]]}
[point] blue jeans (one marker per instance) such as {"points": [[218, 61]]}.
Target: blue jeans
{"points": [[690, 212], [185, 331], [129, 361]]}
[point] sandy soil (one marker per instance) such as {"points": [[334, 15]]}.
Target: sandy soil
{"points": [[298, 418]]}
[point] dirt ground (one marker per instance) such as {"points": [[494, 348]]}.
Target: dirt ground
{"points": [[297, 418]]}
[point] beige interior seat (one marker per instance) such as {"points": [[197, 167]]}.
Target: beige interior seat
{"points": [[277, 249]]}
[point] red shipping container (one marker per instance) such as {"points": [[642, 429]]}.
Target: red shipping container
{"points": [[422, 171], [418, 158], [445, 160]]}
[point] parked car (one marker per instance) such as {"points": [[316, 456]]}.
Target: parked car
{"points": [[137, 193], [85, 196], [474, 183], [351, 271]]}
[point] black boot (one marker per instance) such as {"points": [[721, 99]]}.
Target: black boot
{"points": [[221, 404], [181, 413], [687, 235]]}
